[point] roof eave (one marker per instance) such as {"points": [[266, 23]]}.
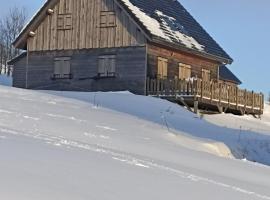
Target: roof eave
{"points": [[21, 41], [15, 59], [219, 59], [232, 81]]}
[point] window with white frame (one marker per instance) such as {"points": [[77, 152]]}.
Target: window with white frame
{"points": [[106, 65]]}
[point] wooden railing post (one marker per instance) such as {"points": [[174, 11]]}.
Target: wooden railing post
{"points": [[245, 99], [237, 97], [261, 103], [212, 89], [219, 98], [202, 89], [157, 85]]}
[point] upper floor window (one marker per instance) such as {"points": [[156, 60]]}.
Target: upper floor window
{"points": [[206, 75], [62, 68], [184, 71], [106, 66], [107, 19], [64, 22], [162, 68]]}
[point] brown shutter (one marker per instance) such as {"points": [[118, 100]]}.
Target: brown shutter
{"points": [[107, 19], [162, 67]]}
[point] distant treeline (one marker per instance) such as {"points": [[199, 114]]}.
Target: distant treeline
{"points": [[10, 26]]}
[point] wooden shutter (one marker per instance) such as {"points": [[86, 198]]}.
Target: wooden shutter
{"points": [[184, 71], [112, 64], [162, 67], [187, 71], [57, 67], [111, 19], [103, 19], [64, 22], [102, 66], [62, 67], [65, 67], [107, 65], [107, 19], [206, 75], [68, 22]]}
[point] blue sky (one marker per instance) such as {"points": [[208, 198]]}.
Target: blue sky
{"points": [[241, 27]]}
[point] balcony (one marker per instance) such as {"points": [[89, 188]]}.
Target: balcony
{"points": [[210, 95]]}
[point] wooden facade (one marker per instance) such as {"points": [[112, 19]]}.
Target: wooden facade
{"points": [[176, 58], [85, 24]]}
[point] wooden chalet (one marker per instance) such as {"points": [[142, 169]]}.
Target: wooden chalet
{"points": [[147, 47]]}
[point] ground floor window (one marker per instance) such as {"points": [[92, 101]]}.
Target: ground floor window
{"points": [[184, 71], [162, 68], [106, 66], [62, 68]]}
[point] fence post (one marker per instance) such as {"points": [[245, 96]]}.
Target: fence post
{"points": [[202, 89], [245, 97], [219, 98], [261, 103], [212, 89], [237, 98], [157, 85]]}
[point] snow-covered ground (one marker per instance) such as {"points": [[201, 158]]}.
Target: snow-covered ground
{"points": [[4, 79], [246, 122], [68, 145]]}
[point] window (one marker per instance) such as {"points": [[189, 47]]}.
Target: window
{"points": [[62, 68], [107, 19], [162, 68], [206, 75], [184, 71], [106, 66], [64, 22]]}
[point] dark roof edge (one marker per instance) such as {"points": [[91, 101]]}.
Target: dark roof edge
{"points": [[17, 58], [227, 75], [193, 51]]}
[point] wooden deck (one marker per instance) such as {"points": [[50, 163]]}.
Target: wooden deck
{"points": [[208, 94]]}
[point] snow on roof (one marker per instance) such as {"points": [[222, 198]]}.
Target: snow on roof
{"points": [[164, 26]]}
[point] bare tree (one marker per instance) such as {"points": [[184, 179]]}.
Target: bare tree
{"points": [[10, 26]]}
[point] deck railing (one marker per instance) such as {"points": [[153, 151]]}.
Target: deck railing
{"points": [[216, 92]]}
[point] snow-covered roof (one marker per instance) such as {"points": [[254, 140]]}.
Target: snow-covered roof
{"points": [[169, 20]]}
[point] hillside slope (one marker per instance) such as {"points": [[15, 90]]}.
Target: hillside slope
{"points": [[115, 146]]}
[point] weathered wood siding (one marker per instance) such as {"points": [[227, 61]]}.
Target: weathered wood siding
{"points": [[83, 29], [130, 70], [176, 57]]}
